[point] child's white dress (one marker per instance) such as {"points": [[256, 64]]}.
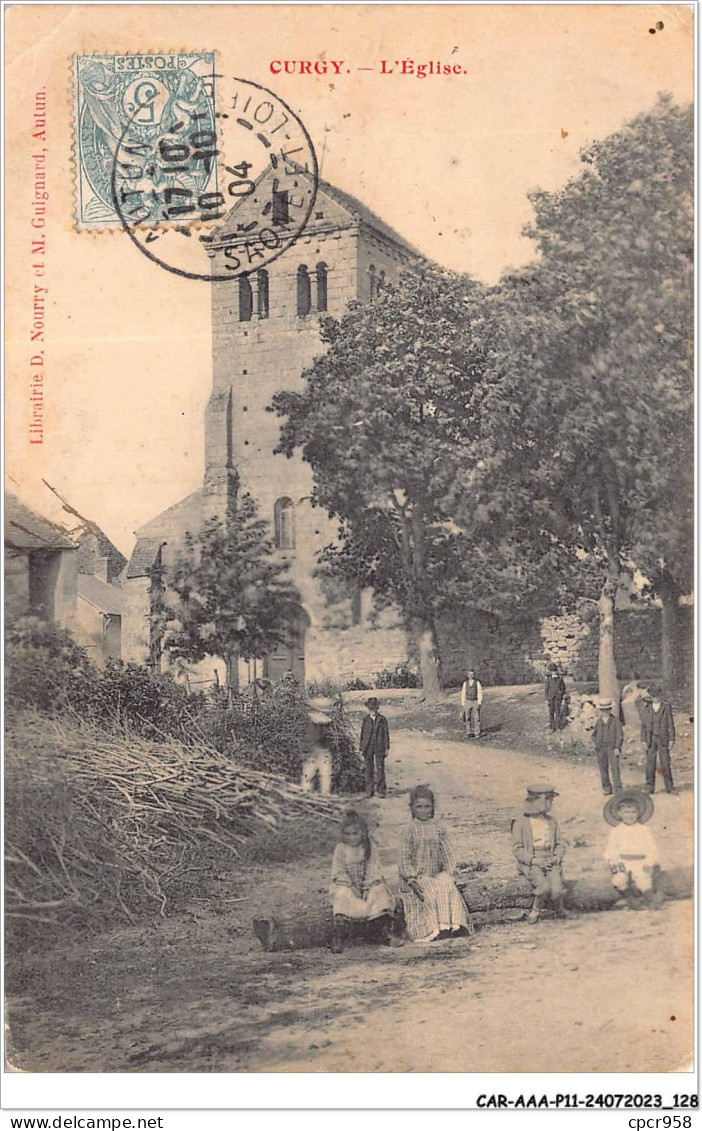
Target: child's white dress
{"points": [[427, 857], [631, 849], [351, 869]]}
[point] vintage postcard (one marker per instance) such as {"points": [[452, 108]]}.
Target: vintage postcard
{"points": [[349, 544]]}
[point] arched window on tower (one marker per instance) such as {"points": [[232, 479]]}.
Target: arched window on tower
{"points": [[245, 299], [304, 297], [284, 524], [263, 295], [372, 282], [321, 286], [380, 285]]}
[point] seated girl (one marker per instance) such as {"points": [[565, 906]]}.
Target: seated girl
{"points": [[432, 904], [359, 891]]}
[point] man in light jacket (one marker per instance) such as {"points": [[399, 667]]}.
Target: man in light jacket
{"points": [[471, 702]]}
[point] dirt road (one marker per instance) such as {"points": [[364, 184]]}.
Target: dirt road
{"points": [[610, 992]]}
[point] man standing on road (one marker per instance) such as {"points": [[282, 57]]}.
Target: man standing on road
{"points": [[374, 746], [555, 694], [471, 702], [608, 737], [658, 735]]}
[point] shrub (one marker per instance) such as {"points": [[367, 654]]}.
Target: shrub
{"points": [[331, 688], [45, 669], [263, 727], [324, 688], [400, 677], [347, 770], [131, 696], [358, 685]]}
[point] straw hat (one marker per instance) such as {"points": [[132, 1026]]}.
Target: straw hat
{"points": [[636, 797]]}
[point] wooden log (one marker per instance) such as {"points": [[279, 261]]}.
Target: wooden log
{"points": [[489, 902]]}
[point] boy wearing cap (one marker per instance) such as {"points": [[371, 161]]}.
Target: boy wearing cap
{"points": [[374, 746], [555, 694], [658, 735], [631, 850], [539, 850], [608, 737]]}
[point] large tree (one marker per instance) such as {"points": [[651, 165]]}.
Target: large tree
{"points": [[390, 417], [601, 364], [665, 553], [233, 598]]}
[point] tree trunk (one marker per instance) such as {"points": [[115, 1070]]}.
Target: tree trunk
{"points": [[671, 644], [232, 672], [606, 666], [424, 634], [488, 902]]}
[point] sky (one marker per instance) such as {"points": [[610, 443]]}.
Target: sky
{"points": [[446, 160]]}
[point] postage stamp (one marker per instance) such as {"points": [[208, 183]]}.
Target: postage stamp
{"points": [[144, 105], [257, 205]]}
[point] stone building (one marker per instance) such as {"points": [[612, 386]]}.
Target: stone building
{"points": [[41, 561], [68, 577], [265, 331]]}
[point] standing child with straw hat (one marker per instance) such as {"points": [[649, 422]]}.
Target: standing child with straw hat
{"points": [[608, 737]]}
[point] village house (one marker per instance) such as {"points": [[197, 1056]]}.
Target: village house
{"points": [[41, 567], [67, 577]]}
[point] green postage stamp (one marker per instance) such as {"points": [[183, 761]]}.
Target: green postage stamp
{"points": [[132, 115]]}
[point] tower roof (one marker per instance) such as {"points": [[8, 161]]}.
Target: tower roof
{"points": [[360, 211], [341, 201]]}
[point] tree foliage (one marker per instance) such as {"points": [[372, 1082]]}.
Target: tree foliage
{"points": [[390, 418], [233, 598], [601, 364]]}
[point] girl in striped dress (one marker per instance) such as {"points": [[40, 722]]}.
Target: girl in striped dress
{"points": [[432, 903], [359, 891]]}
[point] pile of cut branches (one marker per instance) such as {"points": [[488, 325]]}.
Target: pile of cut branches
{"points": [[101, 827]]}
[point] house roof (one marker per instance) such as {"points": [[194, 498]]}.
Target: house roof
{"points": [[105, 549], [26, 530], [83, 532], [143, 557], [106, 598]]}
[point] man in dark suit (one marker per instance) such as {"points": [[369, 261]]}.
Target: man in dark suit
{"points": [[374, 745], [555, 694], [658, 735]]}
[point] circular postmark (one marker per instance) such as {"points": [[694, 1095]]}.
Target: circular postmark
{"points": [[215, 200]]}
